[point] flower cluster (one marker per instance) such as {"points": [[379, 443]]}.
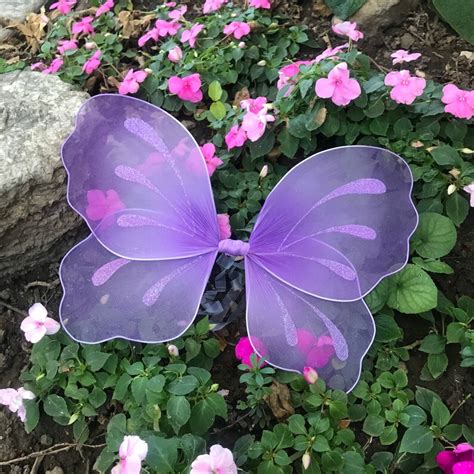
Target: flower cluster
{"points": [[14, 399]]}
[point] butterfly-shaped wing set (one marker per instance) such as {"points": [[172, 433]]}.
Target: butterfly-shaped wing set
{"points": [[333, 227]]}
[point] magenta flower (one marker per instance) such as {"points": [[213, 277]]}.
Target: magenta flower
{"points": [[405, 88], [152, 34], [331, 52], [470, 189], [458, 461], [105, 7], [288, 75], [244, 350], [223, 222], [102, 204], [318, 352], [254, 124], [235, 137], [37, 324], [132, 452], [213, 5], [459, 103], [212, 161], [237, 28], [13, 399], [131, 82], [260, 4], [38, 66], [83, 26], [186, 88], [166, 28], [254, 105], [175, 55], [349, 29], [92, 63], [54, 67], [177, 14], [67, 45], [63, 6], [338, 86], [402, 56], [310, 375], [218, 461], [190, 36]]}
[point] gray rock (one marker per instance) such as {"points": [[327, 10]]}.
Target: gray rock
{"points": [[36, 114], [16, 10], [55, 470]]}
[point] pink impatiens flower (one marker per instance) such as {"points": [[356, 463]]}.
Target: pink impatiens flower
{"points": [[102, 204], [405, 88], [235, 137], [213, 5], [132, 452], [131, 82], [186, 88], [254, 105], [37, 324], [288, 75], [459, 103], [330, 52], [166, 28], [178, 13], [175, 55], [190, 36], [310, 375], [244, 350], [260, 4], [349, 29], [254, 124], [67, 45], [223, 222], [458, 461], [218, 461], [83, 26], [13, 399], [470, 189], [63, 6], [338, 86], [105, 7], [212, 161], [317, 351], [92, 63], [237, 28], [402, 56], [54, 67]]}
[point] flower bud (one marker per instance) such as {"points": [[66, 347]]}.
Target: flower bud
{"points": [[306, 460], [214, 387], [173, 350], [264, 171], [262, 63], [148, 70], [242, 45], [175, 55], [90, 45], [467, 151], [455, 173], [310, 375], [451, 189]]}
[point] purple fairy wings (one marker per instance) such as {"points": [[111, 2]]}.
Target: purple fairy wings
{"points": [[333, 227]]}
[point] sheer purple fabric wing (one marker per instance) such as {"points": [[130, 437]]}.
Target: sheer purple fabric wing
{"points": [[148, 301], [338, 222], [138, 178], [296, 330]]}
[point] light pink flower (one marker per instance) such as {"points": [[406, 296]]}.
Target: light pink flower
{"points": [[175, 55], [237, 28], [92, 63], [288, 75], [254, 124], [402, 56], [254, 105], [152, 34], [131, 82], [223, 222], [186, 88], [218, 461], [460, 460], [330, 52], [83, 26], [470, 189], [13, 399], [39, 65], [244, 350], [405, 88], [235, 137], [212, 161], [170, 4], [261, 4], [349, 29], [166, 28], [102, 204], [178, 13], [310, 375], [105, 7], [190, 36], [338, 86], [67, 45], [54, 67], [459, 102], [132, 452], [318, 351], [213, 5], [63, 6], [37, 324]]}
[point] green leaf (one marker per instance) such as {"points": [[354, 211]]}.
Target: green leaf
{"points": [[387, 329], [288, 143], [55, 406], [97, 397], [218, 110], [183, 385], [96, 360], [389, 435], [446, 155], [122, 386], [417, 440], [433, 266], [192, 446], [211, 347], [156, 383], [32, 415], [178, 412], [459, 14], [296, 423], [215, 91], [139, 389], [468, 433], [440, 413], [374, 425], [412, 291], [433, 344], [218, 404], [457, 208], [455, 332], [437, 364], [344, 9], [416, 416], [353, 463], [452, 432], [435, 236], [424, 397], [263, 146], [202, 417], [162, 454]]}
